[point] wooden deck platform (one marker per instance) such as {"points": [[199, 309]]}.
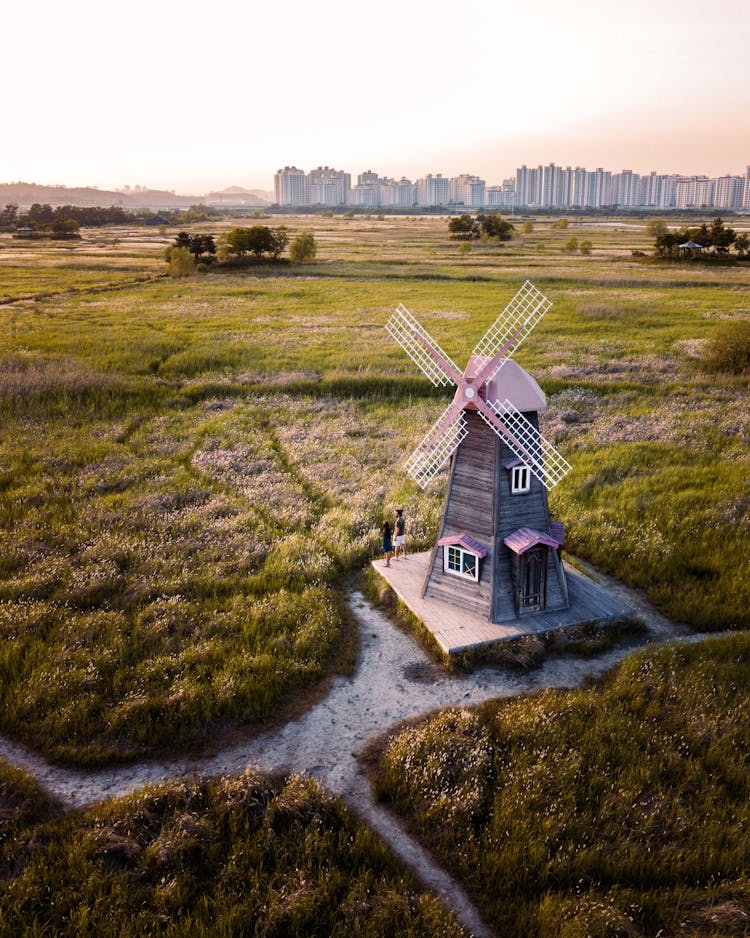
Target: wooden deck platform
{"points": [[459, 630]]}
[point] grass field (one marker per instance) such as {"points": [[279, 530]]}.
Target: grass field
{"points": [[620, 810], [246, 855], [189, 469]]}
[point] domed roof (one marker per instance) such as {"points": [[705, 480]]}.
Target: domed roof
{"points": [[517, 385]]}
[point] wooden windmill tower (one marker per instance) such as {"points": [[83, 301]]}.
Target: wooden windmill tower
{"points": [[498, 552]]}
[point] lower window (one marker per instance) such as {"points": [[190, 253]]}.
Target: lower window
{"points": [[460, 562]]}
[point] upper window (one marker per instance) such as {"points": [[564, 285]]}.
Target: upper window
{"points": [[520, 479], [460, 562]]}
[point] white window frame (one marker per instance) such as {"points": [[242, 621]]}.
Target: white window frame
{"points": [[456, 560], [520, 480]]}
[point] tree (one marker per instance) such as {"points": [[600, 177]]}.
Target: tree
{"points": [[495, 226], [528, 226], [237, 241], [656, 227], [303, 248], [461, 226], [721, 236], [260, 240], [202, 244], [666, 244], [9, 216], [464, 248], [571, 245], [66, 228], [742, 244], [585, 247], [257, 240], [41, 214], [280, 241], [561, 224]]}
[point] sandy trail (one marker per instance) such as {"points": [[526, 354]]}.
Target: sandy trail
{"points": [[394, 680]]}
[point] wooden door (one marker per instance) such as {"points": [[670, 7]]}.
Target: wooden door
{"points": [[534, 579]]}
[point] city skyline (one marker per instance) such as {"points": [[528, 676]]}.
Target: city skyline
{"points": [[168, 98], [549, 186]]}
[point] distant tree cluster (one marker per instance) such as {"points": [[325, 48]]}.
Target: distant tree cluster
{"points": [[42, 218], [717, 237], [465, 227], [237, 246], [257, 240]]}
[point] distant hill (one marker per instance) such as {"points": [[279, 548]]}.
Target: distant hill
{"points": [[25, 194], [240, 194]]}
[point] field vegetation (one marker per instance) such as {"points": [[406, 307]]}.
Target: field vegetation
{"points": [[190, 468], [618, 811], [247, 855]]}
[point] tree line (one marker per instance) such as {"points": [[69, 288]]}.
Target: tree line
{"points": [[43, 217], [717, 237]]}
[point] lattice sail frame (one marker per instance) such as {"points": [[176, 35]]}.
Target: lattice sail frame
{"points": [[512, 326], [403, 327], [503, 337], [441, 441], [535, 451]]}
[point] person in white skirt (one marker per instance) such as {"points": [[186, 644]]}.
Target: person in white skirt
{"points": [[399, 542]]}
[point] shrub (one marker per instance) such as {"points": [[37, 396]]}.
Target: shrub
{"points": [[303, 248], [181, 262], [728, 350]]}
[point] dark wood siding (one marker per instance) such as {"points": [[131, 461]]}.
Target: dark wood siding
{"points": [[480, 503], [469, 509]]}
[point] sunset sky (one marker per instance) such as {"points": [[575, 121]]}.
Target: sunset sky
{"points": [[198, 96]]}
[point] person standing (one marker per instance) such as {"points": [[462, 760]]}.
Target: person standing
{"points": [[387, 543], [400, 540]]}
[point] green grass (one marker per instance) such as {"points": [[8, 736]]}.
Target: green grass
{"points": [[189, 469], [620, 810], [246, 855]]}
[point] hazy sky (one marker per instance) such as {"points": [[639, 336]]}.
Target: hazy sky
{"points": [[199, 96]]}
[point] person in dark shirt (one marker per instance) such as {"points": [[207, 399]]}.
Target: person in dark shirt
{"points": [[400, 540], [387, 544]]}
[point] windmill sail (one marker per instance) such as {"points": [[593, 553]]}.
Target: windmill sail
{"points": [[438, 445], [421, 348], [526, 442], [510, 328]]}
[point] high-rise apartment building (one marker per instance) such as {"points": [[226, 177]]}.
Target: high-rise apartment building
{"points": [[529, 183], [503, 196], [746, 193], [467, 190], [433, 190], [551, 186], [691, 191], [291, 186], [729, 192], [327, 186], [626, 189]]}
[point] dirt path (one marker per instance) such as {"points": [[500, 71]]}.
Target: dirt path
{"points": [[394, 680]]}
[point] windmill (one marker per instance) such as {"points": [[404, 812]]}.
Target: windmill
{"points": [[498, 552]]}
